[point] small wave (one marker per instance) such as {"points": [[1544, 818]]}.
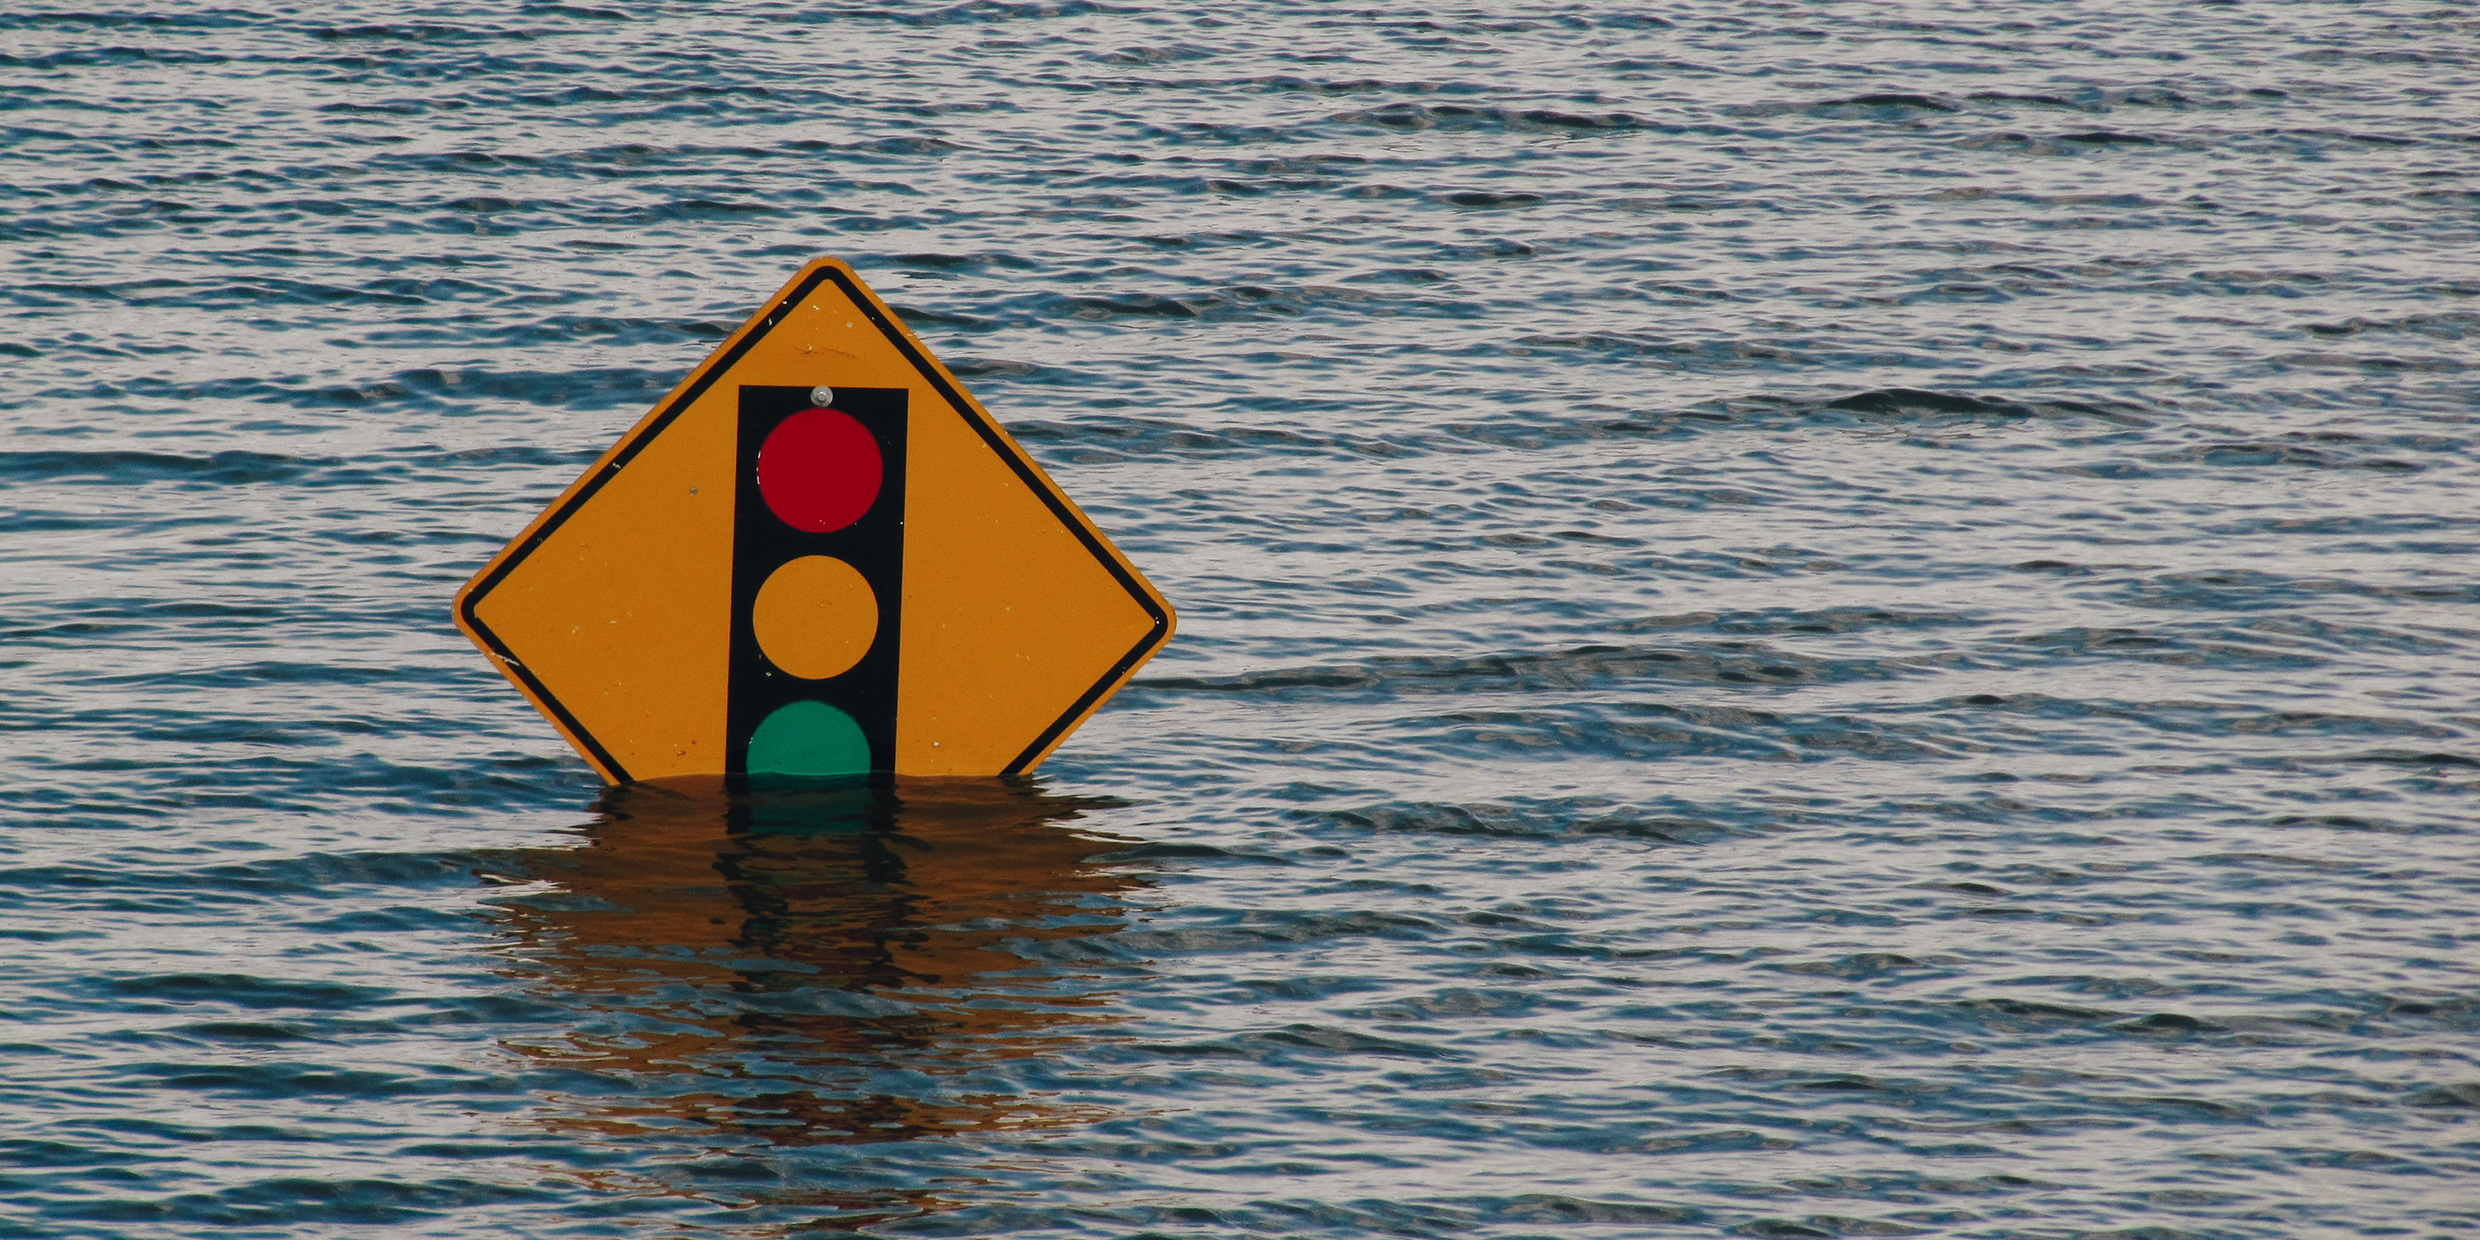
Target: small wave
{"points": [[244, 990], [1557, 1210], [1183, 852], [1489, 199], [1908, 400], [1894, 100], [105, 57], [1547, 820], [308, 874], [981, 12], [1235, 302], [1292, 1042], [2037, 101], [2446, 325], [2295, 448], [1259, 930], [127, 468], [202, 19], [1461, 118], [1734, 663], [1914, 403], [2460, 1094]]}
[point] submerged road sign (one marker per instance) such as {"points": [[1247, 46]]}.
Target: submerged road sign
{"points": [[817, 557]]}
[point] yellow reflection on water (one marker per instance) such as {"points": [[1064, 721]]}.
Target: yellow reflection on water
{"points": [[806, 968]]}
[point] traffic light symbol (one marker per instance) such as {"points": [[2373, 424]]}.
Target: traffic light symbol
{"points": [[817, 582]]}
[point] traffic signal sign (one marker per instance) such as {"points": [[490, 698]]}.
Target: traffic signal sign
{"points": [[817, 581], [817, 557]]}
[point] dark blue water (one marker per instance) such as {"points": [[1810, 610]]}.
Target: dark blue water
{"points": [[1797, 620]]}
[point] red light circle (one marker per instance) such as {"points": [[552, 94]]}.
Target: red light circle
{"points": [[820, 470]]}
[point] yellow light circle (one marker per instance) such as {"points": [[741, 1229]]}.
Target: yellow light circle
{"points": [[815, 617]]}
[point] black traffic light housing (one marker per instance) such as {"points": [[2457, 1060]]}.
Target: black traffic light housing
{"points": [[763, 542]]}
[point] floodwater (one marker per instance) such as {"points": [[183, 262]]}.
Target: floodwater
{"points": [[1796, 620]]}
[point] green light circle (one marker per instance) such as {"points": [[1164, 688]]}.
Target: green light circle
{"points": [[809, 740]]}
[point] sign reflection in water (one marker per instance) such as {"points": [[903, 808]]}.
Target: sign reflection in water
{"points": [[759, 972]]}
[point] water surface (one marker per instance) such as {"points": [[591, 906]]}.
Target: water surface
{"points": [[1795, 621]]}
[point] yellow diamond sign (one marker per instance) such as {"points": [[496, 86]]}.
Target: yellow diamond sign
{"points": [[818, 557]]}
